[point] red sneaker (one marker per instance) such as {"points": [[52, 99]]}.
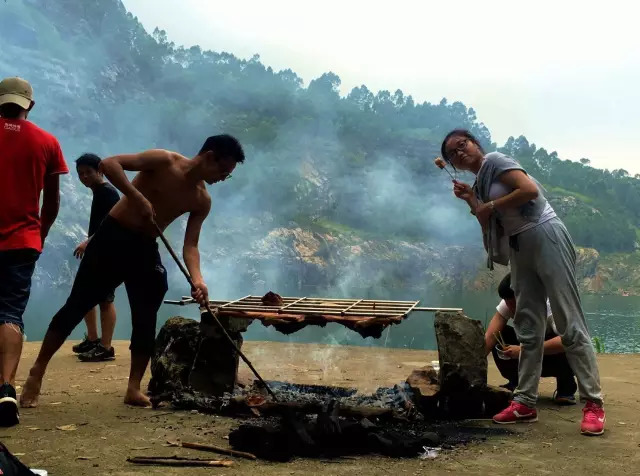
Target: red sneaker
{"points": [[592, 419], [516, 412]]}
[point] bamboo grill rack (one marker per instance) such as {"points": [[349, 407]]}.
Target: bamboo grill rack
{"points": [[327, 306]]}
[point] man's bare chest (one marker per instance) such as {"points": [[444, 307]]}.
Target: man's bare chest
{"points": [[169, 194]]}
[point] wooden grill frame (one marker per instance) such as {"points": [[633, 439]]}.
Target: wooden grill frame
{"points": [[326, 306]]}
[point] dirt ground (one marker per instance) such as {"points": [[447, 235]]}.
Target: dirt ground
{"points": [[106, 431]]}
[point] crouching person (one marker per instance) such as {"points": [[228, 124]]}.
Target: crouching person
{"points": [[554, 361]]}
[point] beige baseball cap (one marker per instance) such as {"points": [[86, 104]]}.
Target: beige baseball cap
{"points": [[17, 91]]}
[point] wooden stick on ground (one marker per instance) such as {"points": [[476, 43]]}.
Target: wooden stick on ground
{"points": [[177, 461], [217, 449]]}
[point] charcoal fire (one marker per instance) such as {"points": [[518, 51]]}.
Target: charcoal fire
{"points": [[194, 368], [328, 434]]}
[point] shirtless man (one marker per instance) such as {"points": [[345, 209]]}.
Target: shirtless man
{"points": [[124, 249]]}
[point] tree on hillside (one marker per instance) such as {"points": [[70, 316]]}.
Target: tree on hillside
{"points": [[125, 88]]}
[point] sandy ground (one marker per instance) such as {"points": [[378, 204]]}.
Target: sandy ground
{"points": [[106, 431]]}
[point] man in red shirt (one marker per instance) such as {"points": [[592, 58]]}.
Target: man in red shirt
{"points": [[30, 164]]}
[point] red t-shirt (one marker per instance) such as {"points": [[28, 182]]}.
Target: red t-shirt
{"points": [[27, 155]]}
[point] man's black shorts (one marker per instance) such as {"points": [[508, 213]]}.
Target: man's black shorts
{"points": [[116, 255]]}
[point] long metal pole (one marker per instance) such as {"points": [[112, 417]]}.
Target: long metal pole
{"points": [[213, 316]]}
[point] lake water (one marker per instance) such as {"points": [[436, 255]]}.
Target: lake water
{"points": [[615, 320]]}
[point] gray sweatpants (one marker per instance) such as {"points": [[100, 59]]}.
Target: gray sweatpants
{"points": [[544, 265]]}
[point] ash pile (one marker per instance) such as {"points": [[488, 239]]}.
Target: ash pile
{"points": [[330, 435], [192, 369]]}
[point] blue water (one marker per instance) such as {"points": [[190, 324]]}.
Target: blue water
{"points": [[615, 320]]}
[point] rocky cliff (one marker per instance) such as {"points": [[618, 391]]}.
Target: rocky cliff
{"points": [[315, 209]]}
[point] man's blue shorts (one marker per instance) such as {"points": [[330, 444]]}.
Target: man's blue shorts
{"points": [[16, 270]]}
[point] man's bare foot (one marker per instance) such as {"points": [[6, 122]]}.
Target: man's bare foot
{"points": [[136, 398], [30, 392]]}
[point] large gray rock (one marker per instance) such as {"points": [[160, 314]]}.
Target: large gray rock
{"points": [[195, 356], [215, 367], [463, 361], [176, 347]]}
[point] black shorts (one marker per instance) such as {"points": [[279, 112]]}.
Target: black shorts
{"points": [[115, 255], [16, 270], [110, 297]]}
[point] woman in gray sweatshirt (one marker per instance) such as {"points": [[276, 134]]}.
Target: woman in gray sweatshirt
{"points": [[520, 227]]}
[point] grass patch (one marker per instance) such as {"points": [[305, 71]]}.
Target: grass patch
{"points": [[599, 345], [326, 225], [334, 227], [566, 193], [629, 259]]}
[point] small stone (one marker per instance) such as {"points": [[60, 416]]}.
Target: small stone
{"points": [[495, 399], [425, 375]]}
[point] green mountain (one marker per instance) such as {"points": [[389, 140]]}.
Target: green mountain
{"points": [[338, 194]]}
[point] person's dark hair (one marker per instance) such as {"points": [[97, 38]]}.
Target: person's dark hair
{"points": [[504, 288], [461, 133], [10, 110], [90, 160], [224, 145]]}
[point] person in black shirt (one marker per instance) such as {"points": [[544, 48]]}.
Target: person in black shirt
{"points": [[105, 196]]}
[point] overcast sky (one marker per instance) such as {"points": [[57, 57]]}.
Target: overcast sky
{"points": [[563, 73]]}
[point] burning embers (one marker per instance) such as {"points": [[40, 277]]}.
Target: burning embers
{"points": [[392, 421], [344, 423], [385, 404], [328, 434], [331, 435], [315, 420]]}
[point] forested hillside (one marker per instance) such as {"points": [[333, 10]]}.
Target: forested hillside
{"points": [[331, 181], [600, 207]]}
